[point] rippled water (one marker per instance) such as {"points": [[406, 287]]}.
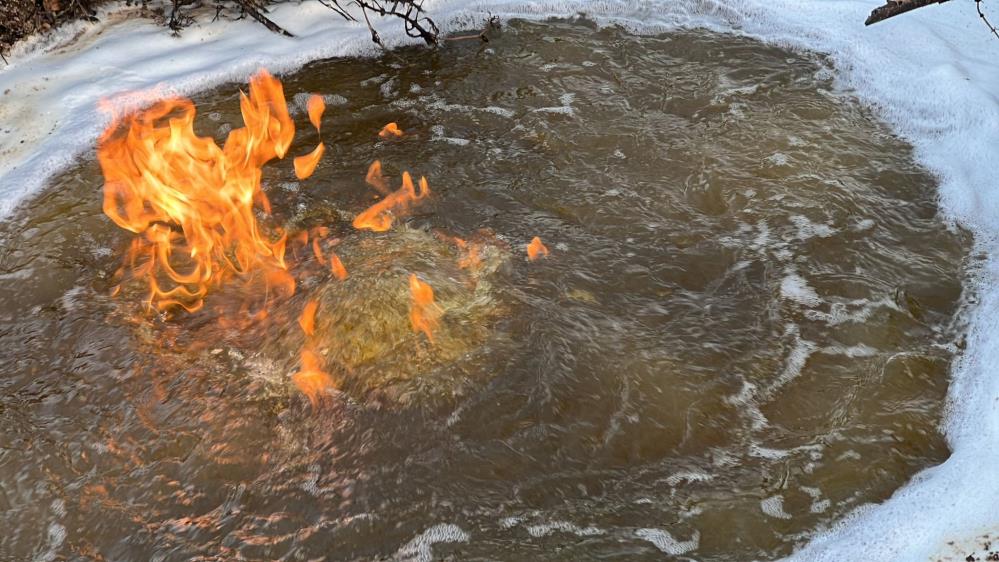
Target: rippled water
{"points": [[742, 333]]}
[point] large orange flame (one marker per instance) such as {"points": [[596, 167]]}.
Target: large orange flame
{"points": [[193, 202], [423, 312]]}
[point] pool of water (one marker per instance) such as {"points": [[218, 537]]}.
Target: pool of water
{"points": [[742, 332]]}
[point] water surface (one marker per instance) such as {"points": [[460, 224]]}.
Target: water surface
{"points": [[743, 330]]}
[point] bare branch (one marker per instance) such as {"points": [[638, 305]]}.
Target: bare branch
{"points": [[257, 15], [985, 20], [896, 7], [411, 12], [492, 23]]}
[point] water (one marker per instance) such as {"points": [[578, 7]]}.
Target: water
{"points": [[742, 333]]}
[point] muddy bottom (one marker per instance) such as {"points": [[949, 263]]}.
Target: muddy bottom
{"points": [[743, 330]]}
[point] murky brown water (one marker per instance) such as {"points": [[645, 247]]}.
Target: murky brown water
{"points": [[743, 330]]}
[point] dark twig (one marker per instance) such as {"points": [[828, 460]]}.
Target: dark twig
{"points": [[988, 24], [4, 58], [897, 7], [492, 23], [179, 21], [374, 34], [255, 14], [416, 23], [331, 4]]}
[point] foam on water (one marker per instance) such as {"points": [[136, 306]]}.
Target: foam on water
{"points": [[932, 75]]}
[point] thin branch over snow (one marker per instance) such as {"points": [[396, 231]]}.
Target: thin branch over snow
{"points": [[897, 7], [894, 8]]}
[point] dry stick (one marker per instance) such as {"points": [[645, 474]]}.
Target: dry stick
{"points": [[4, 58], [896, 7], [255, 14], [981, 14], [331, 4], [411, 17], [492, 23], [374, 34]]}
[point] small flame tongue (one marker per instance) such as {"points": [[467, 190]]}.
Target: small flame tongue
{"points": [[311, 379], [193, 201], [536, 249], [379, 217], [423, 312], [390, 131]]}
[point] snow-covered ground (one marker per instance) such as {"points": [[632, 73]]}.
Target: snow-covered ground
{"points": [[933, 75]]}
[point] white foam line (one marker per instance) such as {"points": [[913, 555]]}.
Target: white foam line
{"points": [[933, 75]]}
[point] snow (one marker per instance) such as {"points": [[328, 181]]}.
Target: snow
{"points": [[932, 75]]}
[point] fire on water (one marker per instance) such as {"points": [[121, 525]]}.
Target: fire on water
{"points": [[194, 208]]}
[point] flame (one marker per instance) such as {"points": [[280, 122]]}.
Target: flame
{"points": [[471, 258], [194, 203], [391, 130], [316, 106], [306, 165], [379, 217], [317, 235], [308, 318], [195, 207], [536, 249], [375, 178], [423, 312], [336, 266], [310, 378]]}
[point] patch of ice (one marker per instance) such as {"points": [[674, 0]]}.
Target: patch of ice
{"points": [[666, 543], [420, 549], [545, 529], [774, 507], [688, 476]]}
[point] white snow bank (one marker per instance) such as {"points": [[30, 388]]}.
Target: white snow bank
{"points": [[932, 74]]}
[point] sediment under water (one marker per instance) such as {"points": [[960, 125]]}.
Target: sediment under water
{"points": [[743, 330]]}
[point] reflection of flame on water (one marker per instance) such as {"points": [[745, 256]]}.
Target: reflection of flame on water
{"points": [[197, 208]]}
